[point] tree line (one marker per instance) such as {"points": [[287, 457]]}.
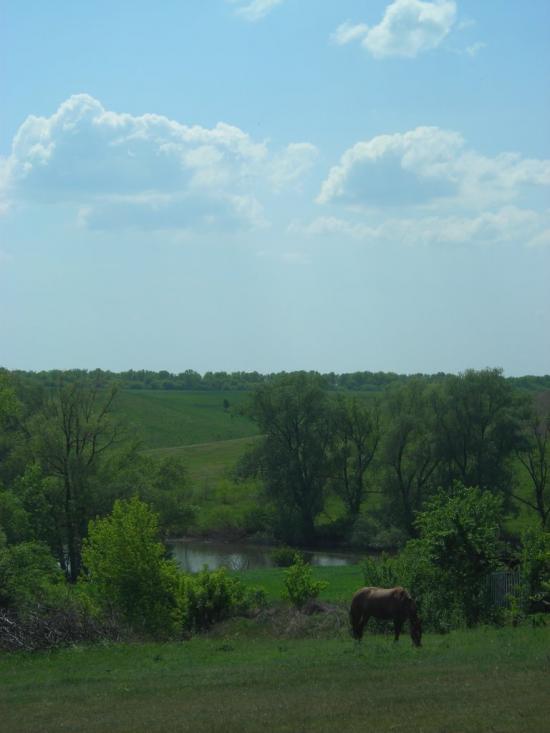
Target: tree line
{"points": [[221, 381], [417, 438]]}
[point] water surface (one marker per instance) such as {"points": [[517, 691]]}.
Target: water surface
{"points": [[192, 555]]}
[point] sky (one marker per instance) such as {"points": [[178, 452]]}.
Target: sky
{"points": [[335, 185]]}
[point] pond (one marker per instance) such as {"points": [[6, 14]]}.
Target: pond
{"points": [[191, 555]]}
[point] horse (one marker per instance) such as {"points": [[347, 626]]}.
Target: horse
{"points": [[385, 603]]}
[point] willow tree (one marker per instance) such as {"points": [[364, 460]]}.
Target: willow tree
{"points": [[72, 436], [293, 415]]}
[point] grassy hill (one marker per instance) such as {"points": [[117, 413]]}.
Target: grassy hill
{"points": [[208, 462], [164, 419]]}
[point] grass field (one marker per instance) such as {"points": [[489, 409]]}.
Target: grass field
{"points": [[163, 419], [208, 462], [485, 680], [342, 581]]}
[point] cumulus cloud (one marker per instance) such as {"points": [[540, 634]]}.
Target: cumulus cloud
{"points": [[409, 27], [290, 166], [507, 224], [427, 166], [257, 9], [148, 169], [348, 32]]}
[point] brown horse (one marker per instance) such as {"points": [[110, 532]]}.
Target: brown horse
{"points": [[385, 603]]}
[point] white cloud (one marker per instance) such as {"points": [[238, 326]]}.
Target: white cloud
{"points": [[428, 166], [347, 32], [409, 27], [291, 165], [508, 224], [145, 169], [474, 49], [257, 9]]}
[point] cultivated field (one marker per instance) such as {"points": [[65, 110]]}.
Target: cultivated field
{"points": [[163, 419]]}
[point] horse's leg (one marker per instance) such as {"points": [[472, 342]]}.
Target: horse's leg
{"points": [[397, 626], [355, 619]]}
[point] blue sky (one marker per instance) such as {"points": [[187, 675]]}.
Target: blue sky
{"points": [[275, 184]]}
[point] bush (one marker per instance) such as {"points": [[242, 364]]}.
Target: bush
{"points": [[299, 584], [459, 538], [284, 556], [412, 570], [126, 568], [28, 575], [368, 532], [212, 596], [535, 569]]}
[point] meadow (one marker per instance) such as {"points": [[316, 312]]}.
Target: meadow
{"points": [[237, 680], [167, 418]]}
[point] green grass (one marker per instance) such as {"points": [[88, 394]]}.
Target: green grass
{"points": [[483, 680], [208, 462], [343, 581], [169, 418]]}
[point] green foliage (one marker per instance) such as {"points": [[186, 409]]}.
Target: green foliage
{"points": [[292, 459], [460, 537], [209, 597], [356, 436], [14, 520], [28, 575], [535, 566], [409, 451], [167, 491], [299, 584], [369, 532], [284, 556], [479, 429], [127, 571], [446, 569], [412, 570]]}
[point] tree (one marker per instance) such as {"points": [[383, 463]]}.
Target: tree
{"points": [[293, 415], [356, 438], [478, 429], [409, 451], [459, 533], [534, 455], [71, 438], [13, 438], [126, 567]]}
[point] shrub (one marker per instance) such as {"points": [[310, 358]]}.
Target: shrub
{"points": [[212, 596], [459, 537], [368, 532], [535, 568], [126, 568], [413, 570], [284, 556], [299, 584], [28, 575]]}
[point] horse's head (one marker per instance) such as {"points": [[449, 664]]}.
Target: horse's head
{"points": [[416, 630]]}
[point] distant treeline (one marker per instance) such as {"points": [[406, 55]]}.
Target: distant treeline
{"points": [[191, 380]]}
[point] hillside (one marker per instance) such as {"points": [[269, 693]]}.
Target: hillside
{"points": [[165, 419]]}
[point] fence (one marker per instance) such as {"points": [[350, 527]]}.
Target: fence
{"points": [[501, 584]]}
